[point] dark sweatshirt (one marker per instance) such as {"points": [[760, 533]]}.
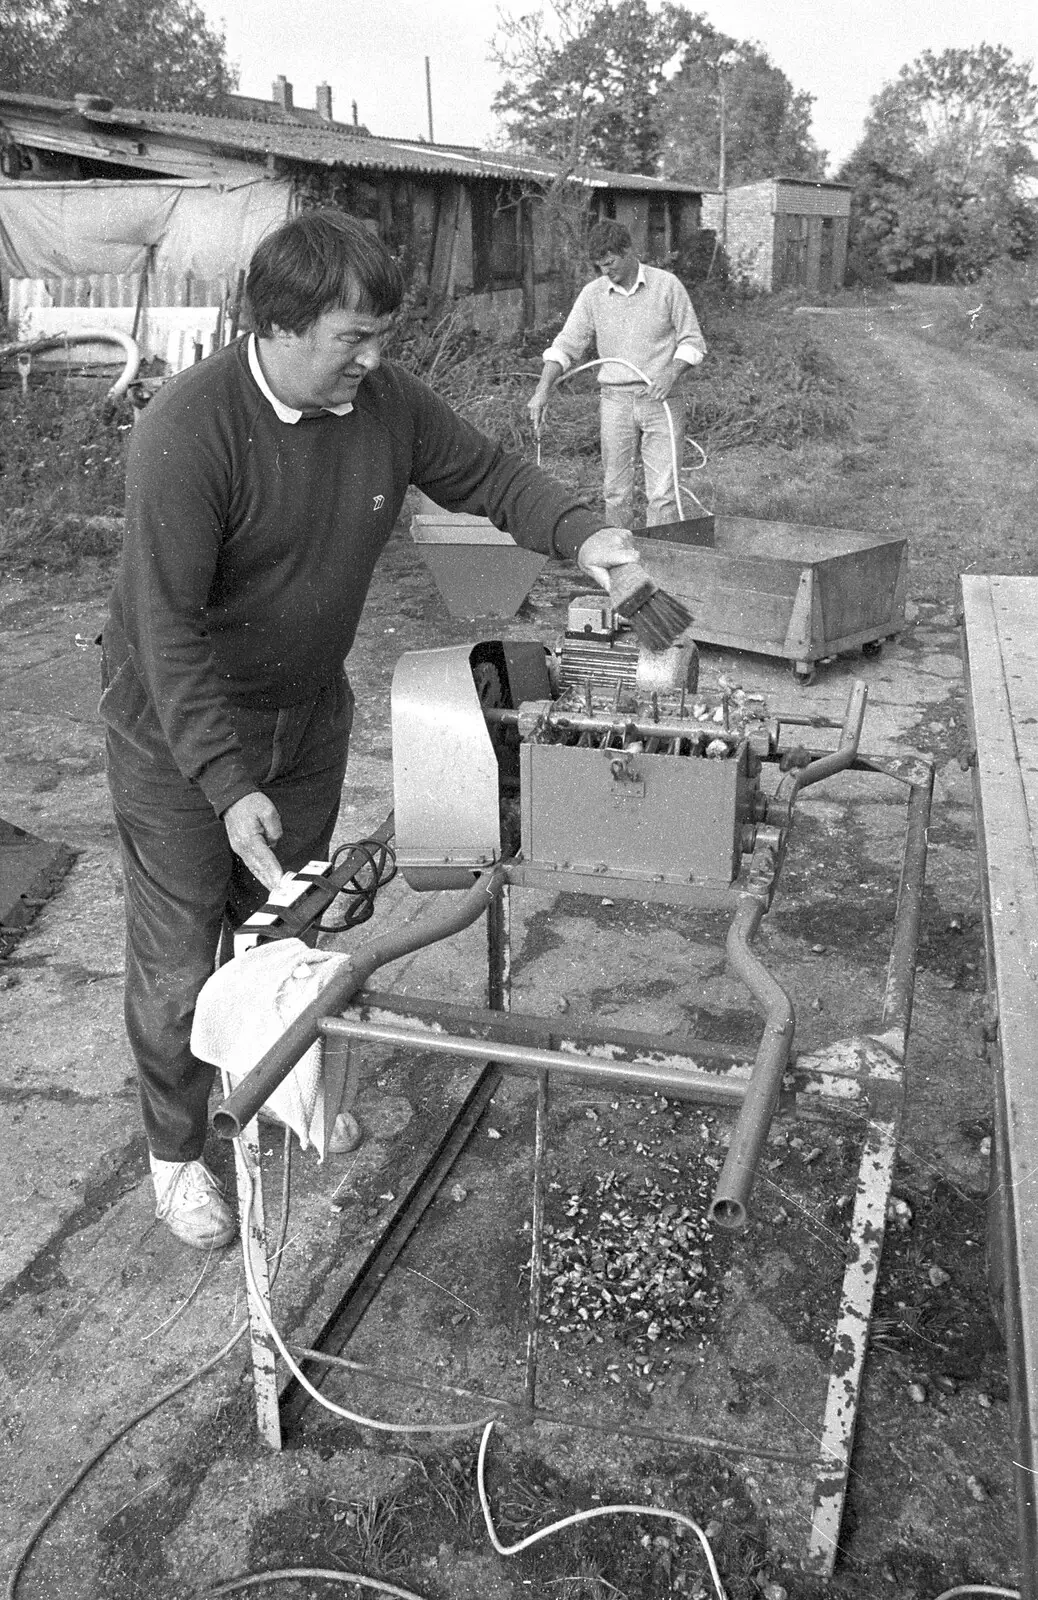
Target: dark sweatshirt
{"points": [[250, 544]]}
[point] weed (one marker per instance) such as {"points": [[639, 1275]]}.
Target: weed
{"points": [[445, 1497], [766, 381], [585, 1584], [374, 1529], [62, 467]]}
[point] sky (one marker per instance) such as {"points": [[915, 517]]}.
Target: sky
{"points": [[374, 51]]}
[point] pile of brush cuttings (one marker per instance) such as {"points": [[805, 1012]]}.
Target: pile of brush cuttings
{"points": [[629, 1254]]}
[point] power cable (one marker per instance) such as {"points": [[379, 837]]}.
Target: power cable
{"points": [[378, 869], [587, 1516]]}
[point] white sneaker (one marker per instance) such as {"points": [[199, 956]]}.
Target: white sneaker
{"points": [[191, 1204]]}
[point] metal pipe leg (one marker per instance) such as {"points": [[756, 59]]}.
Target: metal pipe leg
{"points": [[728, 1206]]}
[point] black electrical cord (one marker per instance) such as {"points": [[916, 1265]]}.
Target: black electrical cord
{"points": [[378, 869]]}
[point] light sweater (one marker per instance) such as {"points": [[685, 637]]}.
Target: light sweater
{"points": [[649, 325]]}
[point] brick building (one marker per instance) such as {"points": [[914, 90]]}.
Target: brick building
{"points": [[784, 232]]}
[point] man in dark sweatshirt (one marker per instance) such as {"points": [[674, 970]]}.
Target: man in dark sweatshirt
{"points": [[263, 484]]}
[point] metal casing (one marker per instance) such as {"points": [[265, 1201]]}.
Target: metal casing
{"points": [[445, 772], [479, 570], [658, 817]]}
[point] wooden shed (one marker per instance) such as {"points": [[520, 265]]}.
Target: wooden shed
{"points": [[478, 229], [784, 232]]}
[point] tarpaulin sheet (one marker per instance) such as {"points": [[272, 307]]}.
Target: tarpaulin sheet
{"points": [[60, 230]]}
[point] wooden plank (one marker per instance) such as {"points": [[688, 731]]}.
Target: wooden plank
{"points": [[703, 569], [445, 246], [857, 590], [166, 332], [1000, 618], [795, 541]]}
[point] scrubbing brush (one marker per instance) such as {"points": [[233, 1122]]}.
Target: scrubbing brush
{"points": [[656, 617]]}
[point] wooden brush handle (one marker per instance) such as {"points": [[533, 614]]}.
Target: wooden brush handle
{"points": [[630, 587]]}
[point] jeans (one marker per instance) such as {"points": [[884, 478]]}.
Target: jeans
{"points": [[182, 879], [629, 421]]}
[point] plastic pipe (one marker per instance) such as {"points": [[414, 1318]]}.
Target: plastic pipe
{"points": [[621, 361], [59, 341]]}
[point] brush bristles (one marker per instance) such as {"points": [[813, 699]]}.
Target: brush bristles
{"points": [[661, 621], [656, 617]]}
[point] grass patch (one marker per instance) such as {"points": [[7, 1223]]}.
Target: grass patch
{"points": [[998, 312], [427, 1531]]}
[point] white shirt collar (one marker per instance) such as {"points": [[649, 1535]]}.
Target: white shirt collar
{"points": [[617, 288], [286, 413]]}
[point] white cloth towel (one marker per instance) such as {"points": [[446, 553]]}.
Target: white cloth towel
{"points": [[246, 1006]]}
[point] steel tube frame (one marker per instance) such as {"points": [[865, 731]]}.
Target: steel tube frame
{"points": [[728, 1205], [641, 1076], [239, 1108], [837, 760]]}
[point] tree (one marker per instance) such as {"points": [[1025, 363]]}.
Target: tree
{"points": [[582, 79], [767, 122], [26, 38], [151, 54], [613, 84], [935, 176]]}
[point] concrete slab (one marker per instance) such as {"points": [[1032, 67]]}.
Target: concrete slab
{"points": [[100, 1311]]}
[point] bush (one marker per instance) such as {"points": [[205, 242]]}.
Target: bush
{"points": [[1005, 299], [766, 381], [62, 470]]}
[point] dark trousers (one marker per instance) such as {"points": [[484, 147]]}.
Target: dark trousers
{"points": [[182, 879]]}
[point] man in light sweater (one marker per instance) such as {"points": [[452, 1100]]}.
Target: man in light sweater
{"points": [[642, 321], [263, 485]]}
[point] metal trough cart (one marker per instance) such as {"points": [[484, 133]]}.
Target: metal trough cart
{"points": [[783, 588]]}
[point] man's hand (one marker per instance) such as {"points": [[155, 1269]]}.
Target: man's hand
{"points": [[538, 401], [609, 547], [664, 384], [253, 825], [536, 406]]}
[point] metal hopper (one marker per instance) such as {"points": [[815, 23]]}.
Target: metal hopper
{"points": [[479, 570]]}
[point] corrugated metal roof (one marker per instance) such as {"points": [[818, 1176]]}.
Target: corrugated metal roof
{"points": [[336, 145], [813, 183]]}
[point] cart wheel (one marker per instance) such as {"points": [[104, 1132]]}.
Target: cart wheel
{"points": [[804, 672], [872, 647]]}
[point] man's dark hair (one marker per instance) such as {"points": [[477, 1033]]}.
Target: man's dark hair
{"points": [[607, 239], [319, 261]]}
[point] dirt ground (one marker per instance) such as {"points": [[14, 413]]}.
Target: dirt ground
{"points": [[101, 1313]]}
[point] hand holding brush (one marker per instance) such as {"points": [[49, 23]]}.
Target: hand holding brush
{"points": [[656, 617], [611, 558]]}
